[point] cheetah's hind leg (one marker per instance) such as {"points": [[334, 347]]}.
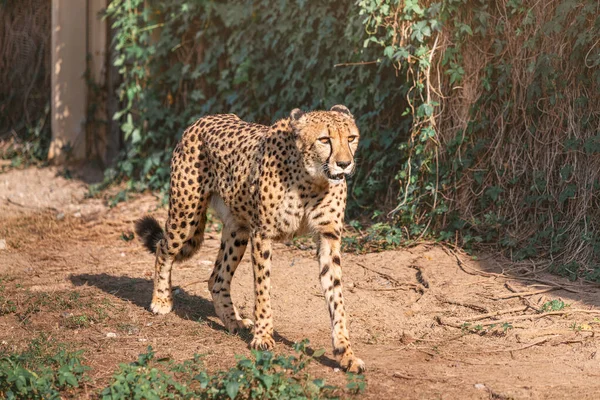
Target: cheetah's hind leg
{"points": [[182, 237], [234, 240]]}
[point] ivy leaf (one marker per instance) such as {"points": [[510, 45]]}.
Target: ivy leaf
{"points": [[232, 389], [567, 193], [267, 380]]}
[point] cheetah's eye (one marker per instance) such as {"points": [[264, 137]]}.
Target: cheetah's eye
{"points": [[351, 139], [324, 140]]}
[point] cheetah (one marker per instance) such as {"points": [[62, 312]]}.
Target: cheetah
{"points": [[266, 183]]}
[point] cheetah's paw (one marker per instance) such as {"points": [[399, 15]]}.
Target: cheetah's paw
{"points": [[351, 363], [262, 342], [233, 324], [161, 306], [245, 323]]}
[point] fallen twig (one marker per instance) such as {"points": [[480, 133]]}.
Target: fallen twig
{"points": [[511, 349], [421, 277], [410, 377], [542, 315], [496, 313], [473, 271], [417, 287], [463, 304], [406, 287], [521, 294], [193, 283], [535, 333]]}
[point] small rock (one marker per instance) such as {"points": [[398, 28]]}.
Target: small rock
{"points": [[149, 324], [479, 386], [142, 339], [206, 262], [60, 216], [111, 335], [77, 214], [66, 315], [336, 370], [122, 254], [2, 244], [133, 330]]}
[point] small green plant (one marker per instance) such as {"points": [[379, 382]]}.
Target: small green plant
{"points": [[507, 326], [576, 327], [118, 198], [356, 383], [7, 306], [553, 305], [264, 376], [127, 236], [43, 371], [77, 321]]}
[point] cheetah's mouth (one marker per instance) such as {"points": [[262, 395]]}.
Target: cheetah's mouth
{"points": [[334, 178]]}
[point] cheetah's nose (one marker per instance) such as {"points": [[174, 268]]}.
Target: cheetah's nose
{"points": [[343, 164]]}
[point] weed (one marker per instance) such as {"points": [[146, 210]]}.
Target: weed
{"points": [[356, 383], [127, 236], [42, 371], [118, 198], [77, 321], [265, 376], [7, 306], [554, 305]]}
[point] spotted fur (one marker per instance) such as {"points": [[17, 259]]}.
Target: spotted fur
{"points": [[266, 183]]}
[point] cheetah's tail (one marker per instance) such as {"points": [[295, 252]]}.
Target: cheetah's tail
{"points": [[149, 231]]}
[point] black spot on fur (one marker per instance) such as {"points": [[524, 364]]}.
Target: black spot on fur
{"points": [[331, 235], [149, 231]]}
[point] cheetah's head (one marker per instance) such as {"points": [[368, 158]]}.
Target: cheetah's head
{"points": [[328, 141]]}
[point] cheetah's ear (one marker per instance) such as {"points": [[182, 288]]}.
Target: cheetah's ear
{"points": [[342, 109], [296, 114]]}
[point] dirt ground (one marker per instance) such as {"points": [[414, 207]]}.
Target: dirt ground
{"points": [[429, 323]]}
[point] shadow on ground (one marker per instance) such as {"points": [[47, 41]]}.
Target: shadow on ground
{"points": [[187, 306]]}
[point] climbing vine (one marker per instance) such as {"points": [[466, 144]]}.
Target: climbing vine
{"points": [[479, 120]]}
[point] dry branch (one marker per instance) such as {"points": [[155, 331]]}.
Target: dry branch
{"points": [[522, 294], [537, 343], [410, 377], [495, 314], [463, 304], [416, 287]]}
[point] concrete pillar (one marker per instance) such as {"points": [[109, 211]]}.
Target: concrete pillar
{"points": [[69, 51], [97, 37], [96, 139]]}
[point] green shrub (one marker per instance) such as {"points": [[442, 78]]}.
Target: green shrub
{"points": [[479, 122], [43, 371], [266, 376]]}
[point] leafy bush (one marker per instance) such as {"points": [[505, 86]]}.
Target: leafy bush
{"points": [[504, 142], [259, 59], [267, 376], [40, 372], [479, 122]]}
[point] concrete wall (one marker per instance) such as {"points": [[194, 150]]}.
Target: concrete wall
{"points": [[76, 32]]}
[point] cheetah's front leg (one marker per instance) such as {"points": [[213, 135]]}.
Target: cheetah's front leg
{"points": [[331, 281], [263, 315]]}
